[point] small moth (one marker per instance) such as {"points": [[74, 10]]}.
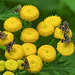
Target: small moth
{"points": [[17, 9], [25, 64], [65, 28], [2, 35], [67, 39], [9, 46]]}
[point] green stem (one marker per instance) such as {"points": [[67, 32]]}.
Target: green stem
{"points": [[51, 42], [2, 47]]}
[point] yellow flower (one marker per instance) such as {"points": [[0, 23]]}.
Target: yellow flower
{"points": [[58, 33], [9, 38], [47, 53], [65, 49], [11, 65], [2, 66], [45, 28], [54, 20], [12, 24], [29, 13], [35, 63], [8, 73], [20, 62], [29, 35], [15, 53], [29, 49]]}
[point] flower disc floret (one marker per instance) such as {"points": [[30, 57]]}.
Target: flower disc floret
{"points": [[47, 53], [35, 63], [20, 62], [12, 24], [29, 35], [29, 13], [11, 65], [29, 49], [45, 28], [58, 33], [54, 20], [9, 38], [15, 53], [2, 65], [65, 49], [8, 73]]}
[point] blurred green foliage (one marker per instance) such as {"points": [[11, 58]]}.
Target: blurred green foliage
{"points": [[63, 8]]}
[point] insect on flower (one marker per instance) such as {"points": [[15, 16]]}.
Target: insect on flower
{"points": [[25, 64], [17, 9], [2, 35], [9, 46], [67, 39], [65, 28]]}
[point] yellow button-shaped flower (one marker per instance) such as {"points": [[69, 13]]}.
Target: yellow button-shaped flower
{"points": [[29, 35], [35, 63], [58, 33], [47, 53], [12, 24], [2, 66], [15, 53], [45, 28], [9, 38], [54, 20], [29, 49], [20, 62], [65, 49], [11, 65], [8, 73], [29, 13]]}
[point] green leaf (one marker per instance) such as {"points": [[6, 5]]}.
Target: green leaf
{"points": [[2, 6], [43, 73], [2, 47], [70, 3]]}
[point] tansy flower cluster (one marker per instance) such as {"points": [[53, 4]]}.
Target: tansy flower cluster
{"points": [[28, 50]]}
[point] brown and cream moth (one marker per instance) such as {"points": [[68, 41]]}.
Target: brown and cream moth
{"points": [[25, 64]]}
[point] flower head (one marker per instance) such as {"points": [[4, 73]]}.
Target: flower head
{"points": [[58, 33], [65, 49], [12, 24], [15, 53], [29, 13], [47, 53], [35, 63], [54, 20], [45, 28], [29, 49], [29, 35], [9, 38], [2, 66], [8, 73], [20, 62], [11, 65]]}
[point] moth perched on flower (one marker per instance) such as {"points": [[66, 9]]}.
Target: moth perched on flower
{"points": [[60, 30], [67, 39], [65, 27], [9, 46], [6, 37], [17, 9], [25, 64], [2, 35]]}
